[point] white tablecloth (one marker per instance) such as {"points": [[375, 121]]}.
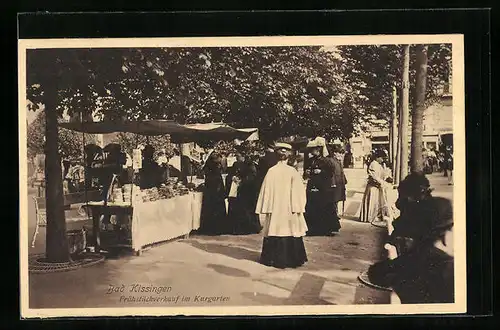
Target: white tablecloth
{"points": [[196, 209], [161, 220]]}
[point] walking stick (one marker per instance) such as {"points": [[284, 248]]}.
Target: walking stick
{"points": [[343, 207]]}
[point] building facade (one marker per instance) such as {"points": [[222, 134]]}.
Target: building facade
{"points": [[438, 121]]}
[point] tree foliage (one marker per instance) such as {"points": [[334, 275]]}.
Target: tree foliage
{"points": [[280, 90], [130, 141], [374, 70], [70, 142]]}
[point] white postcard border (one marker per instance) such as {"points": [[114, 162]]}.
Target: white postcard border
{"points": [[459, 189]]}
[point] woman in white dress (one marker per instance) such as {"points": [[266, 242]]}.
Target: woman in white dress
{"points": [[372, 207], [280, 207]]}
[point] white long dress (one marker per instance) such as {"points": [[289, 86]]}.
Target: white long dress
{"points": [[373, 199], [281, 203]]}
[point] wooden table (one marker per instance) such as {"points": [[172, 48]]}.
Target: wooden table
{"points": [[98, 209]]}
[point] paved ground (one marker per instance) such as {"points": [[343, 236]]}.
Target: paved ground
{"points": [[226, 266]]}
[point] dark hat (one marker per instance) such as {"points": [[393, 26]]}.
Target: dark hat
{"points": [[414, 183], [149, 148], [379, 153], [112, 147], [444, 214], [92, 148]]}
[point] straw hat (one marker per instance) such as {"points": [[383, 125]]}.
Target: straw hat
{"points": [[314, 144], [319, 142], [281, 145]]}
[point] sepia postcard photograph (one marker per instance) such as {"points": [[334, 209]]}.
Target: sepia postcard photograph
{"points": [[311, 175]]}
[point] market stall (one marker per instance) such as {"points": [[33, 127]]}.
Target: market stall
{"points": [[135, 212]]}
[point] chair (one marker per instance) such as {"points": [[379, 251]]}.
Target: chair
{"points": [[41, 217], [41, 214]]}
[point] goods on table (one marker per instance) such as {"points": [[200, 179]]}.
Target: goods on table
{"points": [[181, 189], [150, 195], [199, 188], [117, 195], [127, 193], [169, 190]]}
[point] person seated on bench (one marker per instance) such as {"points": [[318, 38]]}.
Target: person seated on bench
{"points": [[417, 208], [425, 272]]}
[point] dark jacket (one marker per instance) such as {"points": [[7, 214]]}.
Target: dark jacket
{"points": [[417, 220], [339, 180], [423, 276], [321, 181], [237, 170], [265, 163], [150, 175]]}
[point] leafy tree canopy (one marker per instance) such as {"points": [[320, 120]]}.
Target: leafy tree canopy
{"points": [[280, 90], [70, 142], [374, 70]]}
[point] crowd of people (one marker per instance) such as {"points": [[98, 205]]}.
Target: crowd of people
{"points": [[271, 196], [439, 161], [268, 195]]}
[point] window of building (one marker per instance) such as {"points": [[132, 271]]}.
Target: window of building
{"points": [[380, 138]]}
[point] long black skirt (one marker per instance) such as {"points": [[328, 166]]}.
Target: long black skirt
{"points": [[283, 252], [213, 218], [242, 217], [321, 214]]}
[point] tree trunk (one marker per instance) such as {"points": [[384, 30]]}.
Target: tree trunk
{"points": [[417, 120], [394, 131], [56, 240], [404, 116]]}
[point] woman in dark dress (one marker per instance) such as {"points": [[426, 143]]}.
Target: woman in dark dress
{"points": [[241, 212], [423, 271], [417, 210], [321, 214], [213, 219]]}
